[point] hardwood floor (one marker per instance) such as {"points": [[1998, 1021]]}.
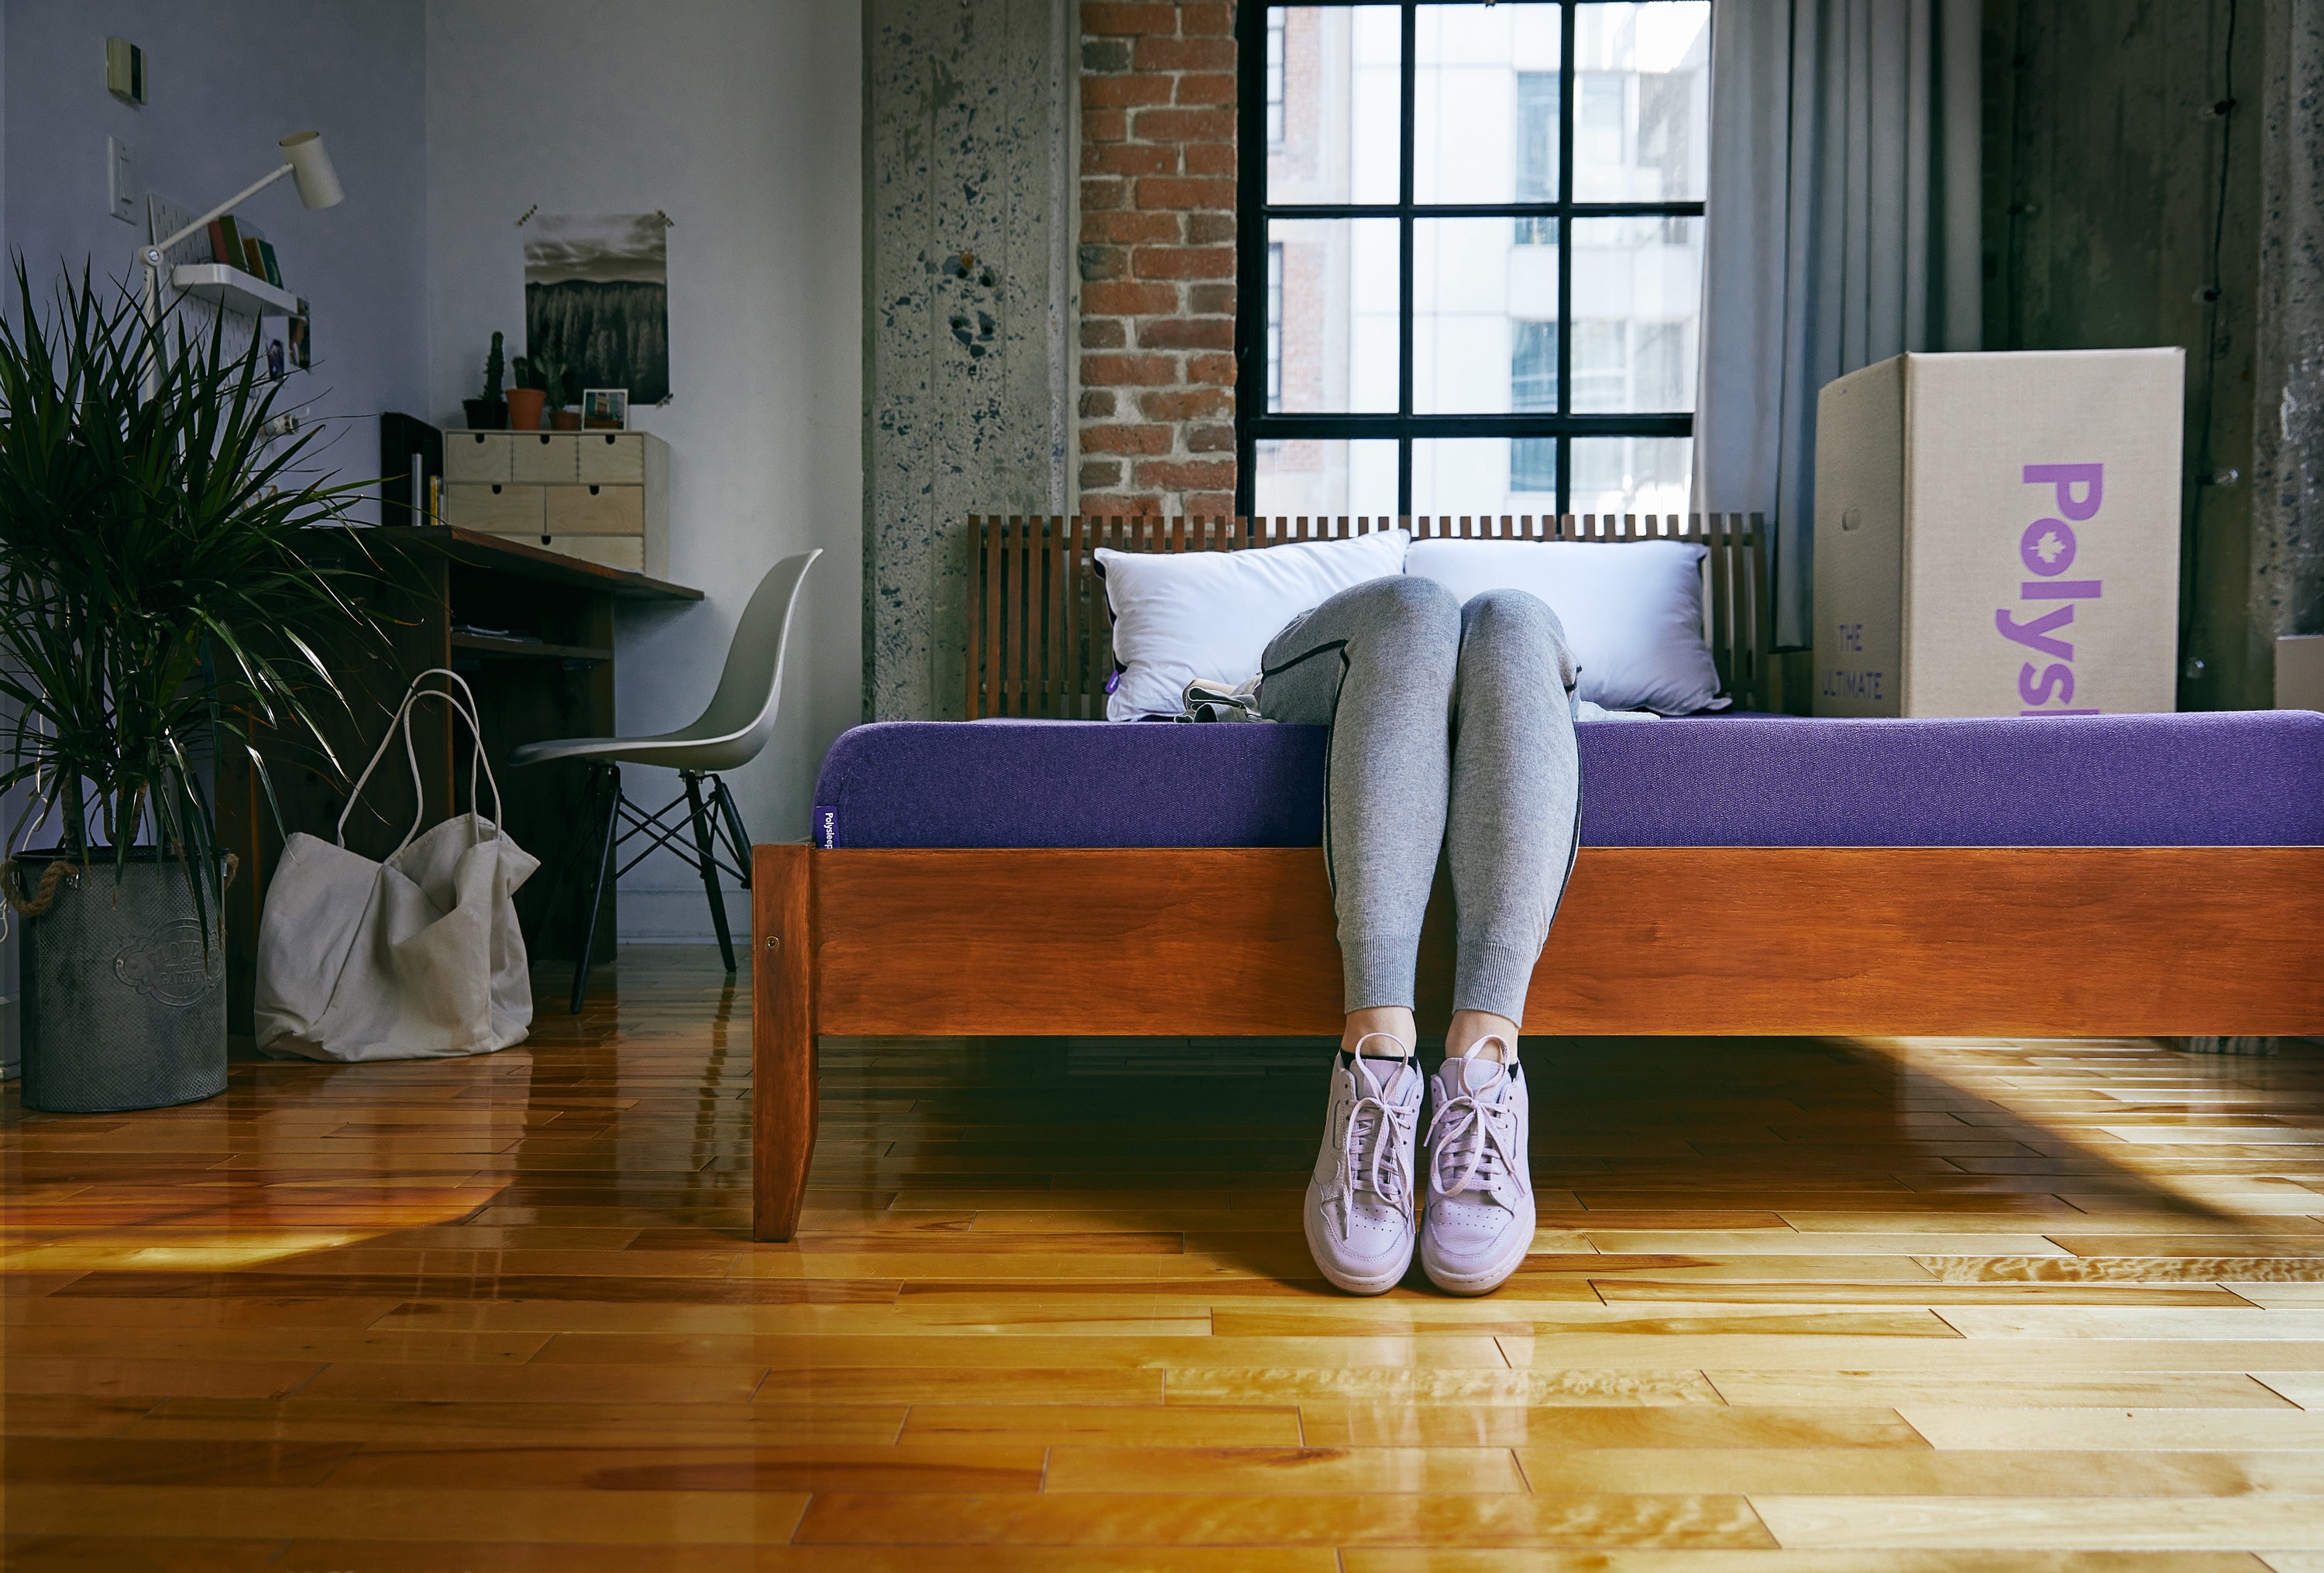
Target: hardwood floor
{"points": [[1794, 1305]]}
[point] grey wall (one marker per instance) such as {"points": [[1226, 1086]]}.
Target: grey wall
{"points": [[968, 302], [740, 120], [226, 79], [2103, 208]]}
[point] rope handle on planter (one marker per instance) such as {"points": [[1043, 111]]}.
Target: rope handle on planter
{"points": [[41, 899], [45, 896]]}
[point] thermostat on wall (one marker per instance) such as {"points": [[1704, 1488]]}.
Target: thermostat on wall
{"points": [[124, 71]]}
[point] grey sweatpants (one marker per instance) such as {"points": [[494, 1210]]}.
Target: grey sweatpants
{"points": [[1451, 728]]}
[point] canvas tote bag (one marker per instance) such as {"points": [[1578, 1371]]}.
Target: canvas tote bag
{"points": [[417, 958]]}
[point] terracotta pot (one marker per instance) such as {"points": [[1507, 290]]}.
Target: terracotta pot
{"points": [[565, 420], [524, 409]]}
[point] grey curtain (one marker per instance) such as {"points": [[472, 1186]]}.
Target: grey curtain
{"points": [[1843, 229]]}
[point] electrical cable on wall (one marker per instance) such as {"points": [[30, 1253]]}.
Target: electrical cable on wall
{"points": [[2213, 290]]}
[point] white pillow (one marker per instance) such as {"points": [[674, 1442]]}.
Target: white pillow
{"points": [[1632, 611], [1182, 615]]}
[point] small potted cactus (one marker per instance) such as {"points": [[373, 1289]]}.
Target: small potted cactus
{"points": [[556, 380], [489, 413]]}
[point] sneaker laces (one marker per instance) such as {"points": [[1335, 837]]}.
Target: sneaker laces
{"points": [[1371, 1150], [1476, 1138]]}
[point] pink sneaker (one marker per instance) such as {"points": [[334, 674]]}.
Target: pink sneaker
{"points": [[1479, 1222], [1359, 1202]]}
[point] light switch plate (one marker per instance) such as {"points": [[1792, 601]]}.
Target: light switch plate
{"points": [[121, 179]]}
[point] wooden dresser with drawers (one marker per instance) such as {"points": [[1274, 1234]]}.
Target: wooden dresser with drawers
{"points": [[602, 496]]}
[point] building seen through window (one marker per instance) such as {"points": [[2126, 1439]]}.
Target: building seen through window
{"points": [[1275, 26], [1274, 325], [1474, 244]]}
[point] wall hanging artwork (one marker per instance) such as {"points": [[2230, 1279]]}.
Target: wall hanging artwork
{"points": [[596, 296]]}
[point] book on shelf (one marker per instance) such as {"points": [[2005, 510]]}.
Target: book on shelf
{"points": [[269, 269], [249, 260]]}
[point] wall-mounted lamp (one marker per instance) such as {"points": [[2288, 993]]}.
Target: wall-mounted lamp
{"points": [[309, 166]]}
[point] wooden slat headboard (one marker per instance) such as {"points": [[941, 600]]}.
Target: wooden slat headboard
{"points": [[1040, 638]]}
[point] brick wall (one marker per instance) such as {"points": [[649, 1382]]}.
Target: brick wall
{"points": [[1157, 258]]}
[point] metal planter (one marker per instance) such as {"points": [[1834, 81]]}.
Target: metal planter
{"points": [[124, 1005]]}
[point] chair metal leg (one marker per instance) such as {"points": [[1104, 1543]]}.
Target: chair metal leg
{"points": [[607, 779], [735, 831], [709, 859]]}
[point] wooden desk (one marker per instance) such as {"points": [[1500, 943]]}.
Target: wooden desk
{"points": [[554, 679]]}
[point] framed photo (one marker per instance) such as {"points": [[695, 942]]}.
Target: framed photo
{"points": [[299, 336], [605, 409]]}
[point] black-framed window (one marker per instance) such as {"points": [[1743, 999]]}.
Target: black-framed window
{"points": [[1471, 242]]}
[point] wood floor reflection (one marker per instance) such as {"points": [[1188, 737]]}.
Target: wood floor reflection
{"points": [[1795, 1304]]}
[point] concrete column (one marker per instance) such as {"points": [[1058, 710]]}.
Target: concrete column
{"points": [[2287, 482], [968, 299]]}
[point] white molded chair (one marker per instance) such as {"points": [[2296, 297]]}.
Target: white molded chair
{"points": [[727, 735]]}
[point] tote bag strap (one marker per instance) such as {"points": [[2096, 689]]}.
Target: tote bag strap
{"points": [[464, 704], [467, 712]]}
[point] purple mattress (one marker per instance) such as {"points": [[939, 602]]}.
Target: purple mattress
{"points": [[2241, 778]]}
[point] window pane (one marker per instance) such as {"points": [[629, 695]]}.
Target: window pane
{"points": [[1336, 350], [1533, 466], [1632, 475], [1641, 101], [1339, 103], [1275, 325], [1484, 296], [1318, 478], [1485, 122], [1484, 475], [1637, 293], [1275, 23], [1532, 366]]}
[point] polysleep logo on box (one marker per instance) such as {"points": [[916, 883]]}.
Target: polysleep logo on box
{"points": [[2043, 618]]}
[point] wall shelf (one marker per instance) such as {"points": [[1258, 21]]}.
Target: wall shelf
{"points": [[232, 290]]}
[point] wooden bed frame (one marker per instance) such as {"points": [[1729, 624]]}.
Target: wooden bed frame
{"points": [[2034, 942]]}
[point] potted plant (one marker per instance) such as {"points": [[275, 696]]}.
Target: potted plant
{"points": [[526, 399], [489, 413], [152, 579], [557, 380]]}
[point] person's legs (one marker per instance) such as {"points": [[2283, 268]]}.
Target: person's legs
{"points": [[1513, 817], [1515, 803], [1374, 663]]}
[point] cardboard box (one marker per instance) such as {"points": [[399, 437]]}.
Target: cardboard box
{"points": [[1998, 535]]}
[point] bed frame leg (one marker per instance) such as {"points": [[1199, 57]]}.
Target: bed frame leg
{"points": [[782, 1036]]}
